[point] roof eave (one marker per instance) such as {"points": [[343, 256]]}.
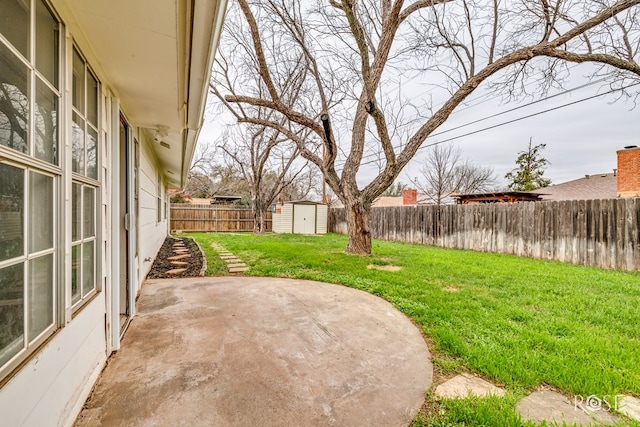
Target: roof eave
{"points": [[206, 26]]}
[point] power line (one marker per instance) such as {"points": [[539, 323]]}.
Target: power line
{"points": [[514, 120], [564, 92], [519, 107]]}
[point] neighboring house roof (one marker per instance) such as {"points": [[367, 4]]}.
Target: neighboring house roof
{"points": [[601, 186], [219, 198], [497, 197], [199, 201], [381, 202], [384, 201]]}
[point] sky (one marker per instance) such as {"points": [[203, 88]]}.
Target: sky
{"points": [[580, 139]]}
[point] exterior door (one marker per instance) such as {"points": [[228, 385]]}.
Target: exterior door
{"points": [[304, 219], [124, 227]]}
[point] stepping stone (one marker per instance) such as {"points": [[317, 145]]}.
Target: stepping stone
{"points": [[232, 260], [552, 407], [238, 265], [178, 257], [238, 270], [181, 251], [224, 253], [179, 263], [227, 256], [629, 406], [461, 385], [176, 271]]}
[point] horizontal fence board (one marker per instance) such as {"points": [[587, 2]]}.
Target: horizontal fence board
{"points": [[216, 218], [599, 233]]}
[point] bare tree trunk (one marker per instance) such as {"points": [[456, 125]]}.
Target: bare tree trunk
{"points": [[358, 227], [259, 220], [258, 213]]}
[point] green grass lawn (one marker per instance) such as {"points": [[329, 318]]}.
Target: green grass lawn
{"points": [[515, 321]]}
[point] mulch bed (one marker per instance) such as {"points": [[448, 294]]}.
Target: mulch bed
{"points": [[161, 264]]}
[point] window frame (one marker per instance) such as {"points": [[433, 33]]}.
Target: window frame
{"points": [[83, 180], [63, 309], [29, 163]]}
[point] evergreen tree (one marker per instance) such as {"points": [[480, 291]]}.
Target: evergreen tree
{"points": [[529, 175]]}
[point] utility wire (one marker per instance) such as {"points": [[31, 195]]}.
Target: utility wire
{"points": [[513, 120], [564, 92]]}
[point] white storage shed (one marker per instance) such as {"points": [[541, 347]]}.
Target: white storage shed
{"points": [[300, 217]]}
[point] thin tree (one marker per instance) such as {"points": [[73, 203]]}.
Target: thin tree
{"points": [[267, 161], [395, 190], [529, 175], [354, 57], [445, 173]]}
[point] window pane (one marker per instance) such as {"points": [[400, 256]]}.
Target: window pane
{"points": [[92, 153], [40, 295], [92, 99], [14, 102], [40, 212], [89, 212], [11, 212], [46, 129], [76, 204], [11, 311], [77, 144], [75, 274], [14, 23], [88, 273], [78, 82], [46, 43]]}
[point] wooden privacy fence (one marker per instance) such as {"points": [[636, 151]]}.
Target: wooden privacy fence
{"points": [[601, 233], [219, 218]]}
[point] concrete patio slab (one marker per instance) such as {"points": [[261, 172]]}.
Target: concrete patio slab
{"points": [[245, 351]]}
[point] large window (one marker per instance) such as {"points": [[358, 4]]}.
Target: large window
{"points": [[84, 143], [30, 176]]}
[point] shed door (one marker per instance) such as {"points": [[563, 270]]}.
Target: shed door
{"points": [[304, 219]]}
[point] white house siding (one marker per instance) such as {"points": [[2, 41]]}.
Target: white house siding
{"points": [[54, 384], [151, 232]]}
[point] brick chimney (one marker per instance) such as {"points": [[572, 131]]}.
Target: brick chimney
{"points": [[410, 197], [629, 171]]}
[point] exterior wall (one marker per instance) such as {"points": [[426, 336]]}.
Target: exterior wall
{"points": [[53, 382], [54, 385], [151, 233], [629, 172], [283, 221], [321, 219]]}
